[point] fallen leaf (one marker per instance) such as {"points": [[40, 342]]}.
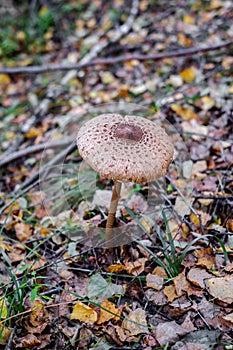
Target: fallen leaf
{"points": [[180, 283], [207, 103], [154, 281], [4, 79], [23, 231], [116, 268], [221, 288], [135, 323], [5, 333], [28, 341], [184, 113], [205, 257], [188, 74], [170, 292], [113, 312], [3, 309], [136, 267], [83, 313], [169, 332], [197, 276], [100, 288]]}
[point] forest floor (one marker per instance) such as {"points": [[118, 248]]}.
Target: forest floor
{"points": [[167, 283]]}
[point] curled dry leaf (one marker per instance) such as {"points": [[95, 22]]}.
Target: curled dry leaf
{"points": [[136, 267]]}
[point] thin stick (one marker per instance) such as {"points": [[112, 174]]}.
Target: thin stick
{"points": [[113, 60], [112, 211]]}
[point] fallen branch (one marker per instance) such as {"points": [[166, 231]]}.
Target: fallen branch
{"points": [[111, 61], [34, 149]]}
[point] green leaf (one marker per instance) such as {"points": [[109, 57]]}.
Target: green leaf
{"points": [[100, 288]]}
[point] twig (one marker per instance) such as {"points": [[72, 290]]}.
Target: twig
{"points": [[101, 45], [34, 149], [113, 60], [34, 179]]}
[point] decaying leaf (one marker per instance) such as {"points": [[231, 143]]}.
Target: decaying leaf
{"points": [[221, 288], [197, 276], [136, 267], [169, 332], [135, 323], [154, 281], [83, 313]]}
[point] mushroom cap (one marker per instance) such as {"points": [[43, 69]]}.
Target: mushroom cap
{"points": [[125, 148]]}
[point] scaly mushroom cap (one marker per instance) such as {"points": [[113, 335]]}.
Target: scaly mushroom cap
{"points": [[125, 148]]}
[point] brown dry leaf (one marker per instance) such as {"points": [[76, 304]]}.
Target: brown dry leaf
{"points": [[23, 231], [197, 276], [188, 74], [116, 268], [36, 197], [83, 313], [170, 292], [169, 332], [184, 113], [136, 267], [38, 317], [191, 346], [28, 341], [181, 283], [104, 315], [154, 281], [221, 288], [205, 257], [135, 323]]}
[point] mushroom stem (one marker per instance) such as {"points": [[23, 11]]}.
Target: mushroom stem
{"points": [[112, 210]]}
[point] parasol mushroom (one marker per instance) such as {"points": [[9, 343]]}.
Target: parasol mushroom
{"points": [[124, 149]]}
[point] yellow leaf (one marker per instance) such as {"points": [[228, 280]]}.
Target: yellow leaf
{"points": [[188, 74], [184, 113], [43, 11], [105, 315], [116, 268], [5, 333], [4, 79], [3, 309], [207, 103], [184, 40], [195, 219], [227, 63], [189, 19], [33, 132], [83, 313]]}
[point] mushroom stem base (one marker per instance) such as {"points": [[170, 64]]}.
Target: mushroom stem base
{"points": [[112, 211]]}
